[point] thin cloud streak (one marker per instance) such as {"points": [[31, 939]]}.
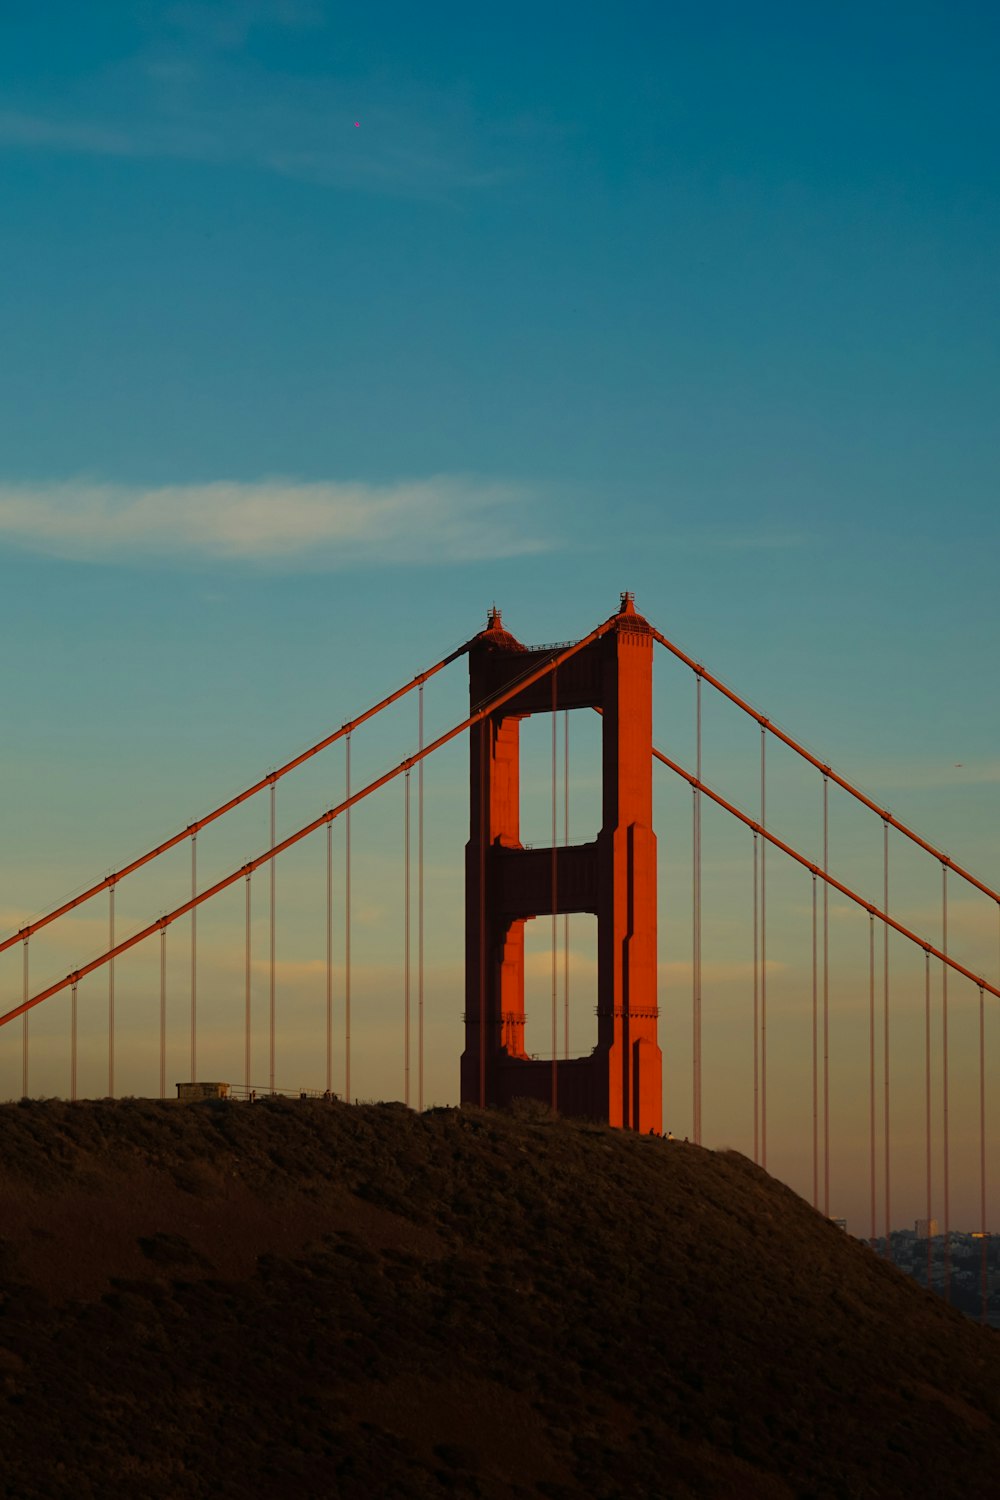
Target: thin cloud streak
{"points": [[34, 131], [284, 522], [400, 154], [194, 92]]}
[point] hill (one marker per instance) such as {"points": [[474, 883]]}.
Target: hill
{"points": [[357, 1301]]}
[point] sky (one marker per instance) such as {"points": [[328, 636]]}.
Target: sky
{"points": [[326, 327]]}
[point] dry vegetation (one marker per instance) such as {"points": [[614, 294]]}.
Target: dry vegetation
{"points": [[291, 1298]]}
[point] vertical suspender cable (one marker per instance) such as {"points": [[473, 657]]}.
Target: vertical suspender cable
{"points": [[272, 955], [945, 1173], [420, 903], [194, 959], [566, 914], [815, 1052], [826, 999], [885, 1037], [982, 1112], [484, 730], [984, 1244], [110, 993], [24, 1024], [72, 1042], [247, 989], [763, 951], [696, 927], [329, 958], [871, 1072], [406, 939], [982, 1156], [927, 1108], [347, 929], [555, 904], [756, 1003], [163, 1012]]}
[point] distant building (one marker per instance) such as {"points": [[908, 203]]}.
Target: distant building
{"points": [[925, 1229], [190, 1091], [840, 1223]]}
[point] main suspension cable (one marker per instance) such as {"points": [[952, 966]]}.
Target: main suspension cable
{"points": [[830, 880], [827, 770], [225, 807], [309, 828]]}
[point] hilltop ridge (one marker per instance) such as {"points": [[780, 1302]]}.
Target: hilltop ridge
{"points": [[290, 1297]]}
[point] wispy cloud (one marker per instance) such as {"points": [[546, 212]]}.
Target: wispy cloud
{"points": [[30, 130], [397, 149], [225, 25], [195, 92], [282, 522]]}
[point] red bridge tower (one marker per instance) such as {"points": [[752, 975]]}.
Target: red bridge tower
{"points": [[614, 877]]}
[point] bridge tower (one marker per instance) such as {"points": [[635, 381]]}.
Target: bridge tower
{"points": [[614, 877]]}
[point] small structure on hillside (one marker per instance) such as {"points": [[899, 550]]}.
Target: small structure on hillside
{"points": [[187, 1092]]}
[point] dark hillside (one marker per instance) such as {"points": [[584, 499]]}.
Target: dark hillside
{"points": [[293, 1298]]}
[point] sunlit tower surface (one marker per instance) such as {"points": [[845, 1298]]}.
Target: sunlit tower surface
{"points": [[613, 877]]}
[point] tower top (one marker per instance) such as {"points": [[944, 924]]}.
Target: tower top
{"points": [[495, 637], [629, 619]]}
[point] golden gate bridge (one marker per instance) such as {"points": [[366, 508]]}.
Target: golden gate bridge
{"points": [[897, 1068]]}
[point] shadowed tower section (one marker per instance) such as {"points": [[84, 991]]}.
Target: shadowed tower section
{"points": [[614, 877]]}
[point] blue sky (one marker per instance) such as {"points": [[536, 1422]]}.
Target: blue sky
{"points": [[695, 300]]}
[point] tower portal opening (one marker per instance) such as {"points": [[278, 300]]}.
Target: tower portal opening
{"points": [[579, 813], [572, 980]]}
